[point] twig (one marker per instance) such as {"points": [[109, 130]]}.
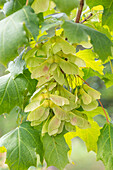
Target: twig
{"points": [[79, 11], [86, 18], [98, 99], [27, 2], [104, 110]]}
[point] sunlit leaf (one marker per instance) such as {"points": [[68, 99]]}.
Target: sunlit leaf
{"points": [[107, 12], [89, 136], [89, 57], [40, 5]]}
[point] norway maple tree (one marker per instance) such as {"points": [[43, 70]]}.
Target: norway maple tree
{"points": [[50, 48]]}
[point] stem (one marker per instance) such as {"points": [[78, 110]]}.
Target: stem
{"points": [[27, 2], [79, 11], [104, 110], [111, 65], [86, 18], [98, 100]]}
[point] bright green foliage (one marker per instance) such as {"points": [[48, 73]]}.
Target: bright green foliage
{"points": [[40, 5], [48, 58], [95, 112], [107, 13], [14, 91], [78, 32], [89, 57], [105, 146], [14, 5], [23, 143], [55, 149], [66, 6], [108, 78], [89, 136], [2, 2], [16, 33]]}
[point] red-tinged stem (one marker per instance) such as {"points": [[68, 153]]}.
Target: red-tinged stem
{"points": [[98, 99], [104, 110], [79, 11], [27, 2]]}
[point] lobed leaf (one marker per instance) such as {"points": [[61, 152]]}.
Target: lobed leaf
{"points": [[107, 13], [22, 144], [89, 136], [12, 6], [66, 6], [76, 33], [15, 33], [105, 146], [89, 57], [14, 91], [56, 150]]}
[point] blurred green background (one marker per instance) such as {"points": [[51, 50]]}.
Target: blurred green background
{"points": [[81, 158]]}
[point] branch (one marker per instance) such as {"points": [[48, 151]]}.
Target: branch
{"points": [[79, 11], [27, 2], [98, 100], [86, 18]]}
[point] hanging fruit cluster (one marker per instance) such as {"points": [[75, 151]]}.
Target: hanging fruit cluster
{"points": [[60, 92]]}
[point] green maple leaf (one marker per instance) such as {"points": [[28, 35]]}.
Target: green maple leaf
{"points": [[14, 5], [40, 5], [89, 72], [55, 149], [77, 33], [108, 79], [107, 13], [13, 91], [22, 145], [95, 112], [18, 27], [89, 136], [66, 6], [89, 57], [105, 146]]}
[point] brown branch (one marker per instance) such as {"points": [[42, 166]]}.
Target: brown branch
{"points": [[27, 2], [79, 11], [86, 18], [98, 99]]}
